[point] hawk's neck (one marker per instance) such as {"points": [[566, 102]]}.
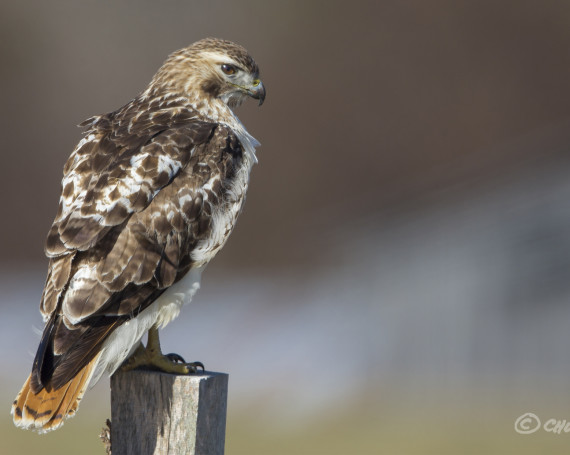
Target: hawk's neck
{"points": [[215, 111], [222, 113]]}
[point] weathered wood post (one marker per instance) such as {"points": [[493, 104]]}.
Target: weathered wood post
{"points": [[164, 414]]}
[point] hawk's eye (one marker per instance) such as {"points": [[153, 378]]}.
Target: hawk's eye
{"points": [[228, 69]]}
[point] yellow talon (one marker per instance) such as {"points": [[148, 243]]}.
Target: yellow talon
{"points": [[152, 357]]}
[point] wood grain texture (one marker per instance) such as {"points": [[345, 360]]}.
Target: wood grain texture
{"points": [[164, 414]]}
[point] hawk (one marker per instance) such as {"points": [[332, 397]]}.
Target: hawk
{"points": [[149, 196]]}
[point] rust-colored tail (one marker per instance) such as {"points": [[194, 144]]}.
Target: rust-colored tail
{"points": [[47, 409]]}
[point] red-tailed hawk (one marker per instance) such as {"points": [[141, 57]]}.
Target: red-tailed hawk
{"points": [[149, 196]]}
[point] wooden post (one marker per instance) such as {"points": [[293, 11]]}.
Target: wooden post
{"points": [[165, 414]]}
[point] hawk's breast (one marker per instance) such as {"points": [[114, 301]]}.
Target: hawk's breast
{"points": [[225, 212]]}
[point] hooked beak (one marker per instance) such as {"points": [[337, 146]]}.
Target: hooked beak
{"points": [[257, 91]]}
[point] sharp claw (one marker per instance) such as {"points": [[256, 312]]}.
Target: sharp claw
{"points": [[192, 366], [176, 357], [196, 365]]}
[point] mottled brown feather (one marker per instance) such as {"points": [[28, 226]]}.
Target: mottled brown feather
{"points": [[58, 276]]}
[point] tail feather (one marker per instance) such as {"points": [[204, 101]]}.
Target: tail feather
{"points": [[47, 409], [73, 396]]}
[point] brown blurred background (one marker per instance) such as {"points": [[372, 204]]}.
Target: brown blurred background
{"points": [[398, 281]]}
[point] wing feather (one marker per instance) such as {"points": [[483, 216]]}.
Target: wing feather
{"points": [[58, 277], [98, 201], [127, 233]]}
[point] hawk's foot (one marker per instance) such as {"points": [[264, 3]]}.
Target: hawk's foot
{"points": [[179, 360], [151, 357]]}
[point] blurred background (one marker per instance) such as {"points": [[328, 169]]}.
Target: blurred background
{"points": [[399, 280]]}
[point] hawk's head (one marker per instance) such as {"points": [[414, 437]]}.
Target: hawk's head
{"points": [[211, 68]]}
